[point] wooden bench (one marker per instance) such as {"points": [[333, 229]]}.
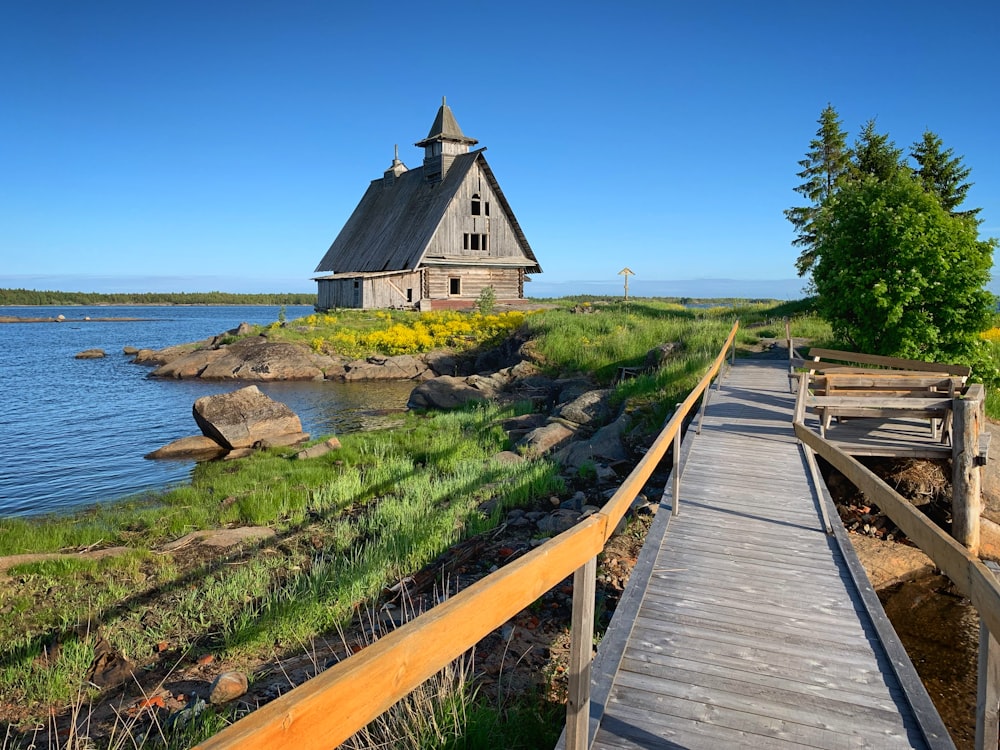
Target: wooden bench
{"points": [[838, 385]]}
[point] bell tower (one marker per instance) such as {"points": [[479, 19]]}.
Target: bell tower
{"points": [[443, 143]]}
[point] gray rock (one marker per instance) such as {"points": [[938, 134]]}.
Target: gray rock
{"points": [[226, 687], [571, 388], [90, 354], [402, 367], [558, 521], [320, 449], [445, 363], [546, 438], [244, 418], [605, 444], [659, 354], [509, 457], [444, 392], [592, 407], [180, 719], [258, 359], [182, 366], [197, 447]]}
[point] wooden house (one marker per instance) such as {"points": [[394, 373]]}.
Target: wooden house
{"points": [[433, 236]]}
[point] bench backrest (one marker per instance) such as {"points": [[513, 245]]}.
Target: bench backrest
{"points": [[895, 363]]}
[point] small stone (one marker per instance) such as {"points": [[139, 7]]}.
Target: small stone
{"points": [[90, 354], [227, 686]]}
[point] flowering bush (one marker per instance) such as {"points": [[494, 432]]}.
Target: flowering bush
{"points": [[992, 335], [412, 335]]}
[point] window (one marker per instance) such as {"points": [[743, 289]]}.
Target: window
{"points": [[475, 241], [357, 284], [465, 241], [454, 286], [477, 206], [486, 207], [409, 295]]}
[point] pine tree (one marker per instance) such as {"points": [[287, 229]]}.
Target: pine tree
{"points": [[824, 167], [942, 173], [875, 155]]}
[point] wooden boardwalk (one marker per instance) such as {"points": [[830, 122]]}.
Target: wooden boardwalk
{"points": [[745, 624]]}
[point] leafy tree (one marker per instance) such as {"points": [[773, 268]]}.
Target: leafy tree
{"points": [[896, 274], [942, 173], [875, 155], [822, 170]]}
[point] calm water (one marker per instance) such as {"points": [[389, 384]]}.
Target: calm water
{"points": [[74, 432]]}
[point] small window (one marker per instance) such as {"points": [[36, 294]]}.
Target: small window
{"points": [[477, 206], [475, 241], [409, 295], [486, 242], [465, 241], [454, 286], [486, 208], [357, 284]]}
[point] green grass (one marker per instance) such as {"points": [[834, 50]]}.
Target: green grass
{"points": [[380, 509], [348, 523]]}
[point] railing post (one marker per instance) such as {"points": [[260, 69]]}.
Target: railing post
{"points": [[581, 654], [676, 509], [966, 480]]}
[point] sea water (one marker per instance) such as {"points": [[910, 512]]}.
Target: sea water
{"points": [[73, 432]]}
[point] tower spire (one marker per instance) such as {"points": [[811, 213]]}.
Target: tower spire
{"points": [[443, 143]]}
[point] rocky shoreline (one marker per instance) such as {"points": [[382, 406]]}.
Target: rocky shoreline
{"points": [[573, 419]]}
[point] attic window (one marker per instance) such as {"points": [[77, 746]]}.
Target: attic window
{"points": [[477, 206]]}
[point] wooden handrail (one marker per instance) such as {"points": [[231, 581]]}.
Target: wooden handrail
{"points": [[967, 572], [331, 707]]}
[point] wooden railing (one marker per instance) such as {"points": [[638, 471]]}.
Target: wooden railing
{"points": [[328, 709], [970, 576]]}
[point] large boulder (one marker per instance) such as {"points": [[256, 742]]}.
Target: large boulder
{"points": [[244, 418], [257, 359], [444, 392], [592, 407], [547, 438], [401, 367], [605, 445]]}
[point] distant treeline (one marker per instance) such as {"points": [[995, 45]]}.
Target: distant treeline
{"points": [[35, 297]]}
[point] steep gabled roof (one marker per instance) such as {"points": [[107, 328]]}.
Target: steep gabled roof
{"points": [[392, 226]]}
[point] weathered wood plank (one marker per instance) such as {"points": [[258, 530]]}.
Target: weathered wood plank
{"points": [[747, 634]]}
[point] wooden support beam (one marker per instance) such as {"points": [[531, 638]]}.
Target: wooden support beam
{"points": [[966, 484]]}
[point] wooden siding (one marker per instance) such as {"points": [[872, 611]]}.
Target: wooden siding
{"points": [[449, 239], [369, 292], [505, 282]]}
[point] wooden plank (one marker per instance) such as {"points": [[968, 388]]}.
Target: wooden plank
{"points": [[817, 353], [746, 634], [968, 574]]}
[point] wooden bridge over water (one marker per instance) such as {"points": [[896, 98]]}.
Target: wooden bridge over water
{"points": [[747, 622]]}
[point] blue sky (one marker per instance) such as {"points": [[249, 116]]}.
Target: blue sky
{"points": [[192, 146]]}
